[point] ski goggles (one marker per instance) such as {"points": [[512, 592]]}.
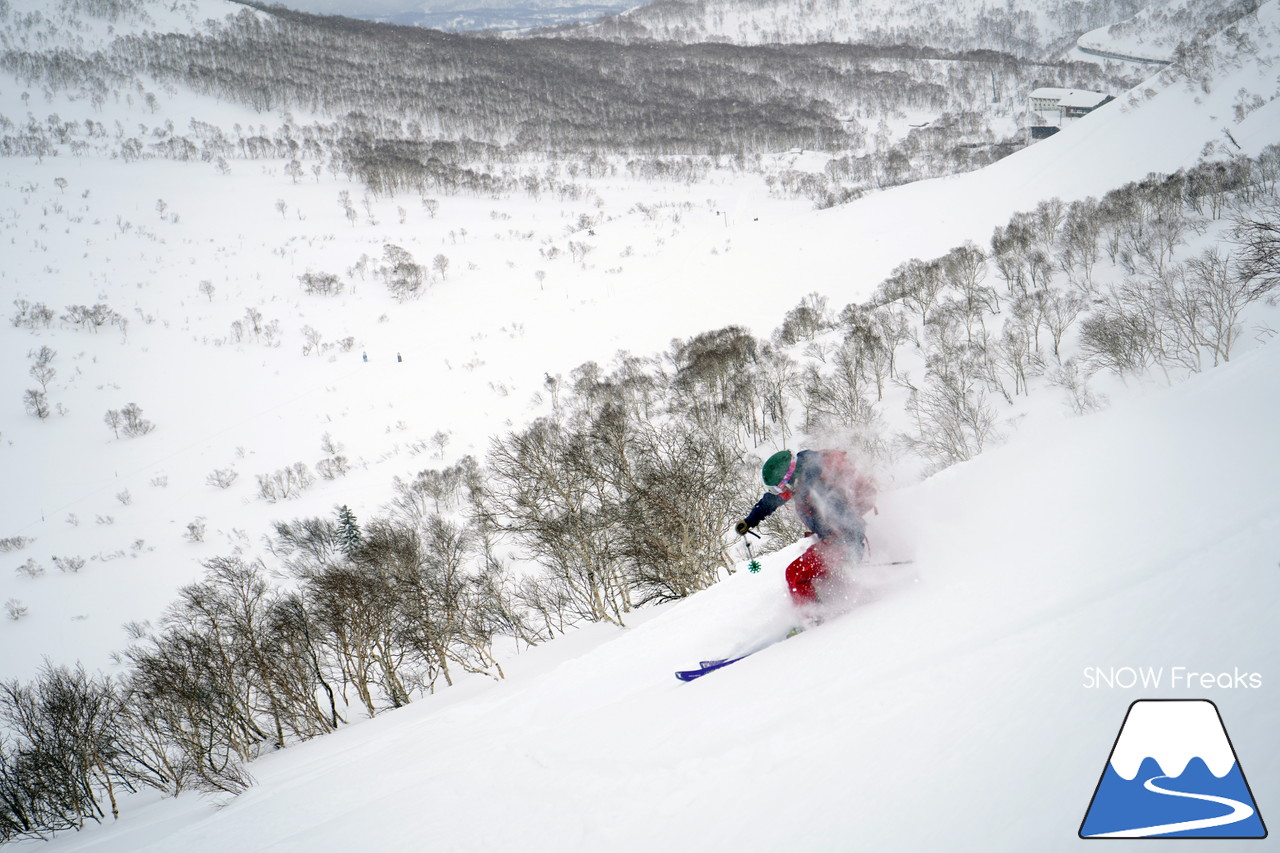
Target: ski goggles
{"points": [[783, 488]]}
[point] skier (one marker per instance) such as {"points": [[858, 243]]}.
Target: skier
{"points": [[831, 499]]}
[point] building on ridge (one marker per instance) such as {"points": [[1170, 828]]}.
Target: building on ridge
{"points": [[1052, 108]]}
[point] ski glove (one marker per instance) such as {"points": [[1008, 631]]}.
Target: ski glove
{"points": [[741, 528]]}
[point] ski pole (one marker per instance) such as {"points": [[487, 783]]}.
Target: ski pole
{"points": [[754, 565]]}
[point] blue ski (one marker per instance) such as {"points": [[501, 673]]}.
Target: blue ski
{"points": [[707, 666], [870, 593], [704, 667]]}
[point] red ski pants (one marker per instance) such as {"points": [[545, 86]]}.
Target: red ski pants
{"points": [[811, 566]]}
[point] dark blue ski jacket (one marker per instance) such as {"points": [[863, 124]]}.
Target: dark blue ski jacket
{"points": [[830, 498]]}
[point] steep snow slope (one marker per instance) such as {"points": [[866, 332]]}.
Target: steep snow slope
{"points": [[955, 714], [698, 264]]}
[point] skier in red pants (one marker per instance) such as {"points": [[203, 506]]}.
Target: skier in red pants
{"points": [[830, 498]]}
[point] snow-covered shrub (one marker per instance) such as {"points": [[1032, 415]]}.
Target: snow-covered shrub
{"points": [[30, 569], [14, 543], [286, 483], [69, 565], [222, 477], [195, 531]]}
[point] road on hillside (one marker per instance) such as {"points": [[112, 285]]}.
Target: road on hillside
{"points": [[1120, 56]]}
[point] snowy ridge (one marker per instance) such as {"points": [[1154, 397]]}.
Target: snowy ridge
{"points": [[1155, 32], [110, 21], [1149, 32]]}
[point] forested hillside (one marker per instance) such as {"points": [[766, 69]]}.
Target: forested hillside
{"points": [[407, 108], [1168, 31], [1029, 29]]}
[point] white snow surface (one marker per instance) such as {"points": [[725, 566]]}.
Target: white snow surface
{"points": [[948, 715], [952, 714]]}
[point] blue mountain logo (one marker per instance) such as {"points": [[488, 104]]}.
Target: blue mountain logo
{"points": [[1173, 773]]}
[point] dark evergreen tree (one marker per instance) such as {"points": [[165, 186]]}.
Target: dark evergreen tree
{"points": [[349, 536]]}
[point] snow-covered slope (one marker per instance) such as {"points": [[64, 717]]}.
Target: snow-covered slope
{"points": [[143, 237], [1156, 31], [955, 714]]}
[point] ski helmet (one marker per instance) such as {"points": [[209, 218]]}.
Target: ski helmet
{"points": [[778, 468]]}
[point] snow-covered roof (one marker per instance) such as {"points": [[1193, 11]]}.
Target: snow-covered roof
{"points": [[1070, 97], [1083, 99]]}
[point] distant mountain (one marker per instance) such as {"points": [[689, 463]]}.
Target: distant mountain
{"points": [[1025, 28], [469, 16]]}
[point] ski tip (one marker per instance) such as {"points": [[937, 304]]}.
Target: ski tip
{"points": [[706, 667]]}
